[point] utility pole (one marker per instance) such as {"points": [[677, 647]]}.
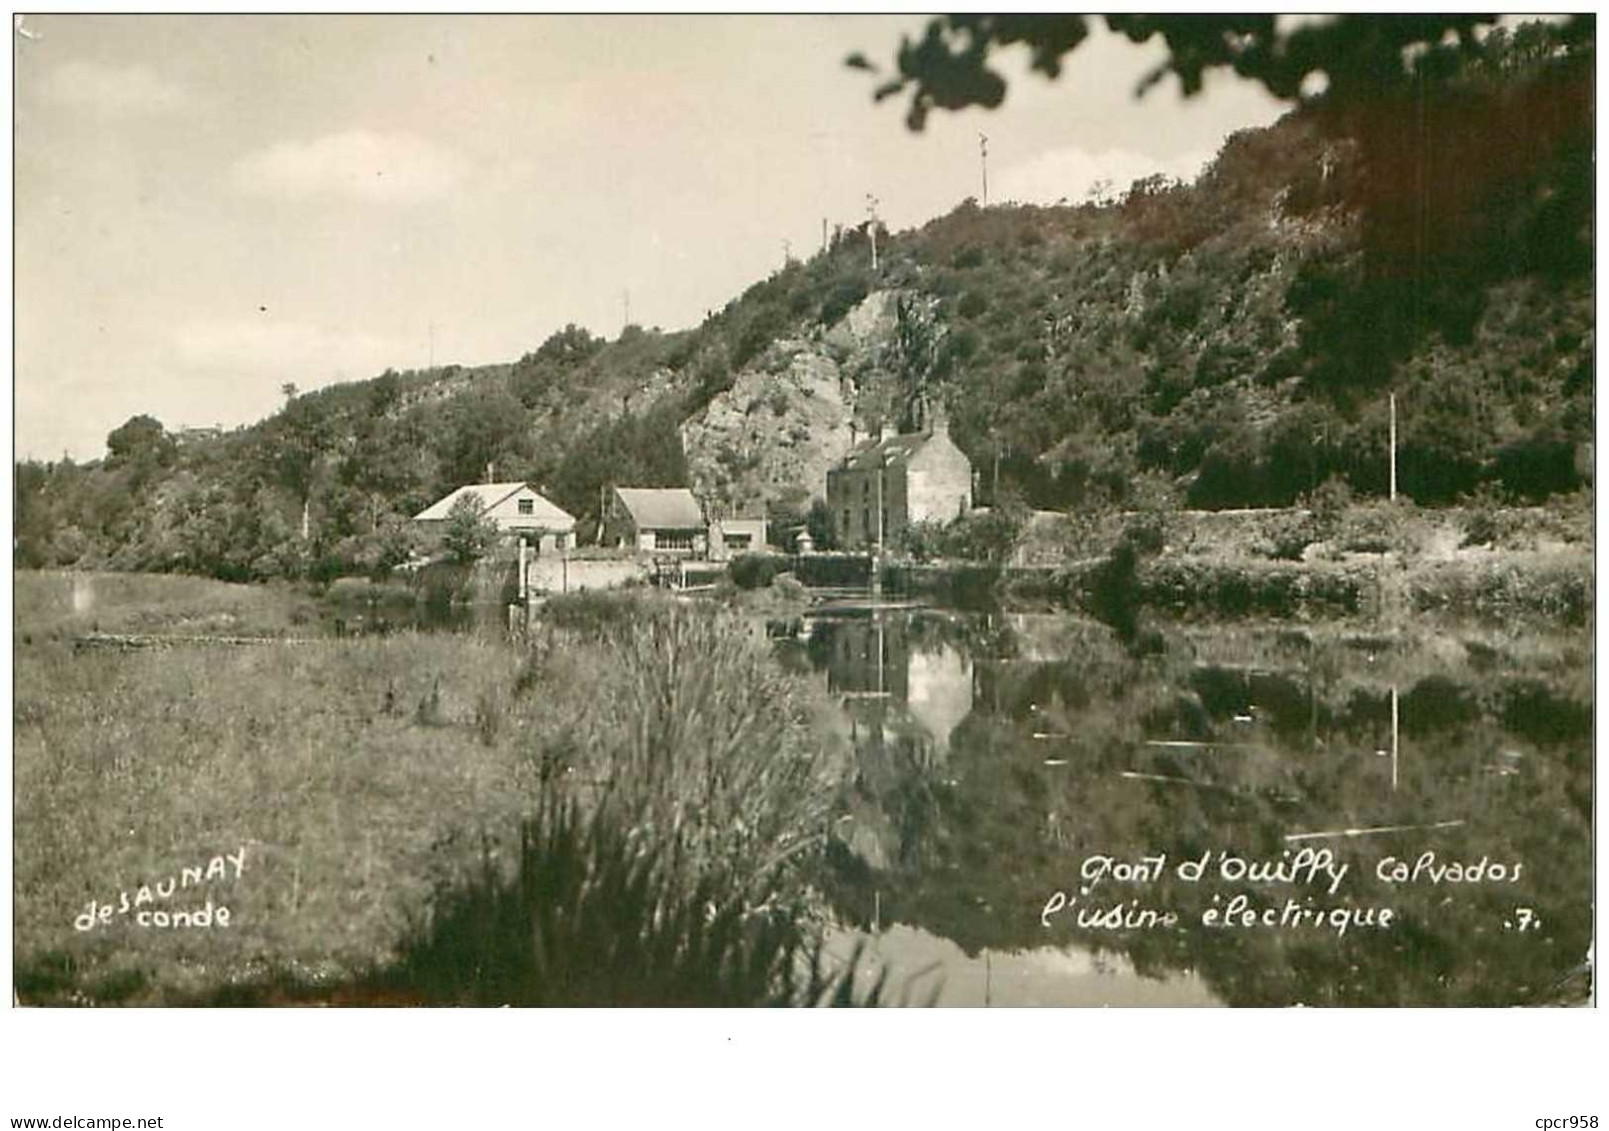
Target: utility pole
{"points": [[1393, 447], [871, 227], [432, 364], [880, 469], [983, 156], [823, 235], [625, 302], [787, 252]]}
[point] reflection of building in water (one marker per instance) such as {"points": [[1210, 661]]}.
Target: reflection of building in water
{"points": [[939, 695], [897, 681]]}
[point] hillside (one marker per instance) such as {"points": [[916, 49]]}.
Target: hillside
{"points": [[1230, 343]]}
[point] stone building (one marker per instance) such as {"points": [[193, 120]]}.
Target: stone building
{"points": [[886, 484]]}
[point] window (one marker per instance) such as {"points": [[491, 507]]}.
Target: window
{"points": [[866, 518], [738, 541], [527, 506], [846, 524], [673, 540]]}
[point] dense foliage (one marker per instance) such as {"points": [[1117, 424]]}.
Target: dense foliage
{"points": [[1229, 343]]}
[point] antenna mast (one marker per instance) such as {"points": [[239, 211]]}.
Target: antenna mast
{"points": [[871, 227], [983, 157]]}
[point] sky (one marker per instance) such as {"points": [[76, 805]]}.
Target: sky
{"points": [[209, 207]]}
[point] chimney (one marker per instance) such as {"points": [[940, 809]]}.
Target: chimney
{"points": [[489, 468]]}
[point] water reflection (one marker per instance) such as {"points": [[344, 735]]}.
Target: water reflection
{"points": [[996, 752], [935, 971], [348, 616]]}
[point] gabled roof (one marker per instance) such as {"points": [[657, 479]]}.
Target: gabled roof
{"points": [[891, 452], [661, 508], [491, 494]]}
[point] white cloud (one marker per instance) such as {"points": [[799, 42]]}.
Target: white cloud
{"points": [[1073, 173], [283, 351], [387, 168], [114, 90]]}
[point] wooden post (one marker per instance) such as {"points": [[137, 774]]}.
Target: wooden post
{"points": [[522, 567]]}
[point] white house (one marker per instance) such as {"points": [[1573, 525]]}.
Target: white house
{"points": [[515, 508]]}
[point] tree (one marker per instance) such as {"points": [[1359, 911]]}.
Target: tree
{"points": [[140, 441], [1472, 148], [469, 533], [570, 346], [819, 523], [1357, 55], [385, 392]]}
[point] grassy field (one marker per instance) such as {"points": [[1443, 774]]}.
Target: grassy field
{"points": [[59, 604], [355, 779]]}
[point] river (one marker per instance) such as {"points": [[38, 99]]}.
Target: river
{"points": [[1004, 760]]}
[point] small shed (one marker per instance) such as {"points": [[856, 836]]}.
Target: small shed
{"points": [[655, 520], [514, 508]]}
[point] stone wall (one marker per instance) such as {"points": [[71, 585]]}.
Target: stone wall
{"points": [[570, 575]]}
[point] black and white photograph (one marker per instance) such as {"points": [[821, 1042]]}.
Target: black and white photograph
{"points": [[962, 511]]}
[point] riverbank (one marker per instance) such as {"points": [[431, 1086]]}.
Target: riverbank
{"points": [[1371, 563], [347, 784]]}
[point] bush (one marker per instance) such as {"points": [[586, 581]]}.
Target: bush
{"points": [[989, 536], [756, 571], [972, 305], [1376, 529], [1147, 534], [923, 540], [842, 297], [1289, 534], [1329, 504], [594, 915]]}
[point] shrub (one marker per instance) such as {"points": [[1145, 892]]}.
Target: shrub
{"points": [[1329, 504], [990, 536], [756, 571], [923, 540], [972, 305], [967, 258], [686, 721], [593, 915], [1290, 532], [842, 297]]}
